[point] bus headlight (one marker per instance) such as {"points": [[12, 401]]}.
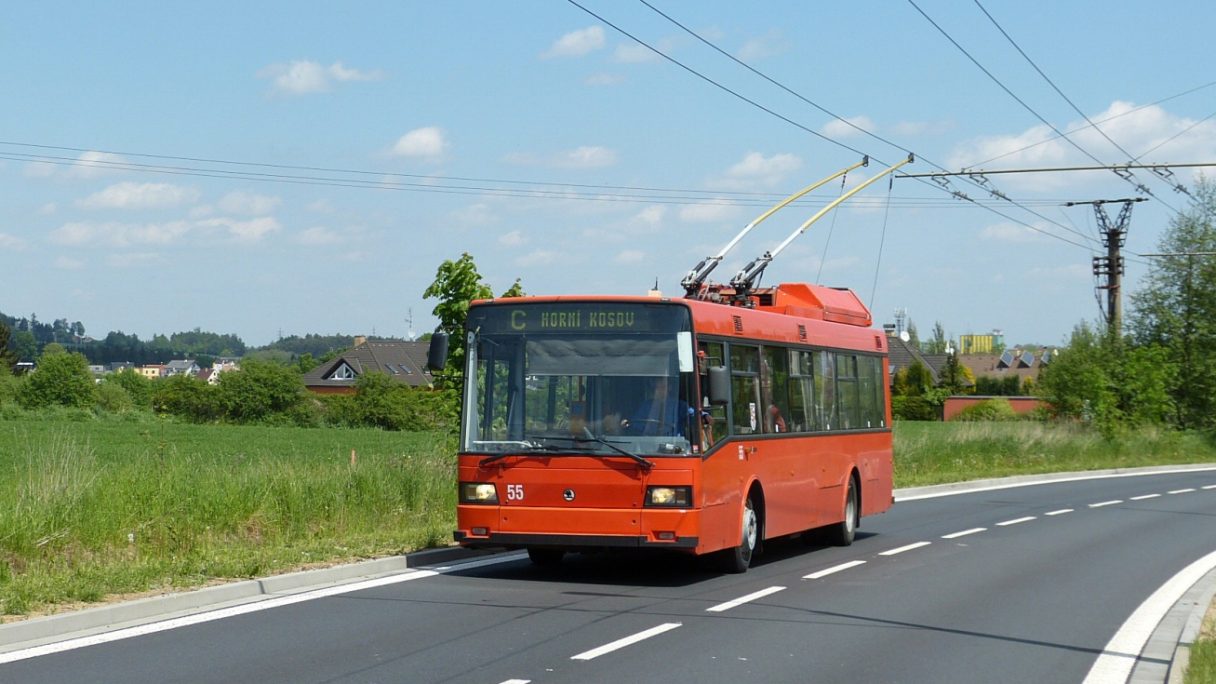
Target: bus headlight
{"points": [[478, 493], [671, 497]]}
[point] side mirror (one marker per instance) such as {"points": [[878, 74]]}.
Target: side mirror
{"points": [[437, 355], [719, 385]]}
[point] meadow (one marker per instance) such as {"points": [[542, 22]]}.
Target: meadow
{"points": [[92, 507]]}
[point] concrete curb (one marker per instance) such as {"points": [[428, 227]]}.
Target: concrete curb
{"points": [[1195, 604]]}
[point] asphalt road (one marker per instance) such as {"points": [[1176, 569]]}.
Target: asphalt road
{"points": [[1015, 585]]}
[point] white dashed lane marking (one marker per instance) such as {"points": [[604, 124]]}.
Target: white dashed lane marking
{"points": [[1142, 497], [1015, 521], [834, 569], [1182, 491], [1062, 511], [901, 549], [722, 607], [627, 641], [964, 533], [1100, 504]]}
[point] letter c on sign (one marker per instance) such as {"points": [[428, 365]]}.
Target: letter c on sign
{"points": [[517, 320]]}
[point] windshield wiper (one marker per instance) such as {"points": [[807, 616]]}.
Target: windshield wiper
{"points": [[527, 449], [588, 436]]}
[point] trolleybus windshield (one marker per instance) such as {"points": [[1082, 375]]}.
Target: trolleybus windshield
{"points": [[585, 378]]}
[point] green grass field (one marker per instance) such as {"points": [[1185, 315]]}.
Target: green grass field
{"points": [[91, 507]]}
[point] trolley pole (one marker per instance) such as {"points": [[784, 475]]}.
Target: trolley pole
{"points": [[1110, 267]]}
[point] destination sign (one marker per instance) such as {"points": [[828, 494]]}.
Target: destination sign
{"points": [[589, 317]]}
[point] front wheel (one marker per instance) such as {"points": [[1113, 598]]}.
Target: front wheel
{"points": [[843, 532], [739, 559]]}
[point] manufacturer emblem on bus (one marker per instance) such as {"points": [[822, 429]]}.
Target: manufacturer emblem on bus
{"points": [[568, 495]]}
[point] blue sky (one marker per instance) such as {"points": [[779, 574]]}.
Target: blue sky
{"points": [[555, 149]]}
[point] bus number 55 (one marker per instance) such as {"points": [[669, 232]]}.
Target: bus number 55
{"points": [[515, 492]]}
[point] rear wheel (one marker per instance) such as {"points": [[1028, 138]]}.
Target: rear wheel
{"points": [[843, 532], [545, 558], [738, 559]]}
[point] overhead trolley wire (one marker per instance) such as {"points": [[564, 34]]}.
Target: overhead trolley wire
{"points": [[829, 113], [1027, 107]]}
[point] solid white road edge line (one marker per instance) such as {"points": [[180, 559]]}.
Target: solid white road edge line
{"points": [[1015, 521], [964, 533], [210, 616], [1142, 497], [627, 641], [1123, 650], [1100, 504], [1062, 511], [901, 549], [1052, 480], [243, 609], [722, 607], [834, 569]]}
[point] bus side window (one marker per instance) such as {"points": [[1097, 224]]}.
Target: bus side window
{"points": [[713, 417], [774, 382], [802, 400], [745, 389]]}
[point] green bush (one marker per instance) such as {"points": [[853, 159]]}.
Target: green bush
{"points": [[988, 410], [913, 408], [138, 388], [382, 402], [260, 391], [61, 379], [112, 398], [187, 397]]}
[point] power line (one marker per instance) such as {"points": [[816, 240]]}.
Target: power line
{"points": [[1025, 106], [956, 194], [1081, 128]]}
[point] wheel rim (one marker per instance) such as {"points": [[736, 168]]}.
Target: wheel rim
{"points": [[850, 510], [750, 530]]}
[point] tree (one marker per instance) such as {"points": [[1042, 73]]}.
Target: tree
{"points": [[8, 357], [456, 284], [25, 345], [1176, 310], [939, 343], [62, 379]]}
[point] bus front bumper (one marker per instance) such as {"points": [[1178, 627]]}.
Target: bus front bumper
{"points": [[584, 528], [572, 541]]}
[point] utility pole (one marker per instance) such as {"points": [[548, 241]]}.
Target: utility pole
{"points": [[1114, 236]]}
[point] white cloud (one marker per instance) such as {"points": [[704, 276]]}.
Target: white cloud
{"points": [[130, 195], [475, 215], [709, 212], [630, 256], [11, 242], [244, 231], [540, 257], [512, 239], [248, 203], [587, 157], [115, 234], [576, 43], [758, 171], [318, 235], [303, 77], [837, 128], [68, 263], [48, 209], [650, 217], [427, 142], [87, 165], [128, 259], [770, 44]]}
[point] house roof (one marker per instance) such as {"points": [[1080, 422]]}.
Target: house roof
{"points": [[404, 362], [1024, 363], [901, 354]]}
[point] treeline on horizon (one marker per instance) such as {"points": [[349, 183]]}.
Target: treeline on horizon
{"points": [[28, 336]]}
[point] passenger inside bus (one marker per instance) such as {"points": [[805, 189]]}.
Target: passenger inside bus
{"points": [[659, 413]]}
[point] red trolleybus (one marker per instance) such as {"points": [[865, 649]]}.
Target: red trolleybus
{"points": [[692, 424]]}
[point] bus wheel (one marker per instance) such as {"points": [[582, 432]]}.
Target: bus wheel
{"points": [[545, 558], [843, 532], [738, 559]]}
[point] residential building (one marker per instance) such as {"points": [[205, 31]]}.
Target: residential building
{"points": [[151, 371], [404, 362], [181, 367]]}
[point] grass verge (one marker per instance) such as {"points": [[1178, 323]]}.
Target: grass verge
{"points": [[1202, 668]]}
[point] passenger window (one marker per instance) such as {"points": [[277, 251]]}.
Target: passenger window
{"points": [[745, 389]]}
